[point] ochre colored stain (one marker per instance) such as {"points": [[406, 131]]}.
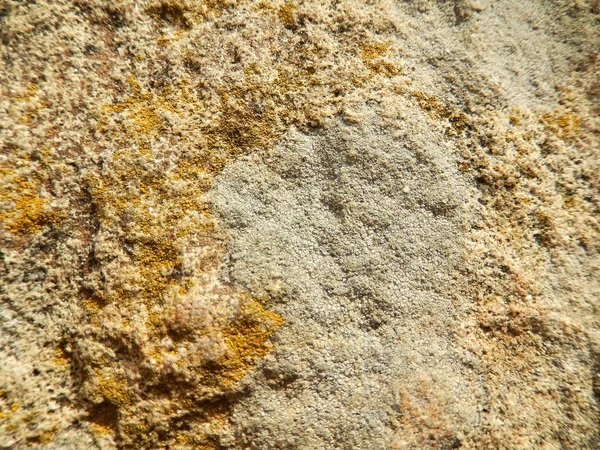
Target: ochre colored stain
{"points": [[564, 124], [23, 210], [373, 57], [247, 340]]}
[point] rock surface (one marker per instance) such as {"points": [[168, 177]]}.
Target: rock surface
{"points": [[300, 225]]}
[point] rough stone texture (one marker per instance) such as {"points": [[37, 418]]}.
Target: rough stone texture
{"points": [[318, 224], [365, 237]]}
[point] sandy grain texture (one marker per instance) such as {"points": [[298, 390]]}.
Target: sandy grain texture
{"points": [[299, 225]]}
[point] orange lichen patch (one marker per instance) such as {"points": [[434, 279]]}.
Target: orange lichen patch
{"points": [[240, 129], [150, 202], [94, 303], [385, 67], [155, 219], [247, 340], [60, 358], [246, 121], [11, 427], [564, 124], [430, 103], [23, 210], [157, 260], [516, 116], [231, 347], [112, 387], [100, 430], [374, 50], [141, 114], [157, 214], [373, 57]]}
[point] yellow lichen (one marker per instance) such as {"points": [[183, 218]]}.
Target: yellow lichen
{"points": [[373, 57], [247, 340], [28, 94], [60, 358], [564, 124], [23, 210], [374, 50], [112, 387], [141, 119], [100, 430], [44, 437]]}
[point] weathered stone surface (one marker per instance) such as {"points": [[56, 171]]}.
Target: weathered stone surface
{"points": [[271, 224]]}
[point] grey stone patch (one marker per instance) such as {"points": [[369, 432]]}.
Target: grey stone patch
{"points": [[357, 239]]}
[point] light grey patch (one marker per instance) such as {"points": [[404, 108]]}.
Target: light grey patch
{"points": [[365, 234]]}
